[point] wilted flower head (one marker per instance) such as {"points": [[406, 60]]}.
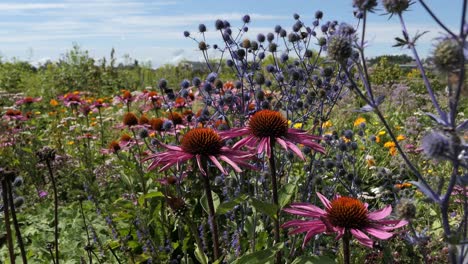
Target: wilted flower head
{"points": [[342, 214]]}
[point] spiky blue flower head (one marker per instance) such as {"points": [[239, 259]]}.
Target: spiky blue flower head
{"points": [[283, 33], [293, 37], [261, 38], [212, 77], [270, 68], [219, 24], [435, 145], [261, 55], [196, 81], [254, 45], [167, 125], [226, 24], [202, 28], [365, 5], [229, 63], [296, 16], [277, 29], [186, 34], [207, 87], [270, 37], [202, 46], [324, 28], [228, 31], [315, 23], [184, 93], [185, 84], [318, 14], [272, 47], [284, 57], [245, 29], [163, 84], [396, 6], [246, 19], [448, 55]]}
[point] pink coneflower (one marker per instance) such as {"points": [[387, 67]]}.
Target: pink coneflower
{"points": [[345, 216], [28, 100], [200, 143], [13, 114], [267, 127], [71, 99]]}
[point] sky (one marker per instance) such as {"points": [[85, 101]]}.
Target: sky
{"points": [[152, 31]]}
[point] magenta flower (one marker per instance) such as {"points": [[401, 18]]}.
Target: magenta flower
{"points": [[71, 99], [28, 100], [267, 127], [342, 215], [200, 143]]}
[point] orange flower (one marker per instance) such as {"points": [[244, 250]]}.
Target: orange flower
{"points": [[54, 102], [359, 121], [400, 137]]}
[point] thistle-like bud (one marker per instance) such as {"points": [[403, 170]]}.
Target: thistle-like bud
{"points": [[448, 55], [406, 209], [365, 4], [435, 145], [396, 6], [202, 45], [339, 48]]}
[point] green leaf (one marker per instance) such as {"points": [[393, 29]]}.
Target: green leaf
{"points": [[149, 195], [200, 256], [264, 207], [285, 194], [313, 260], [204, 202], [228, 206], [260, 257]]}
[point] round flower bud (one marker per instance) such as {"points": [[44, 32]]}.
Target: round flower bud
{"points": [[196, 81], [277, 29], [448, 55], [296, 16], [283, 33], [406, 209], [202, 28], [339, 48], [186, 34], [396, 6], [272, 47], [261, 38], [254, 45], [202, 45], [368, 5], [246, 19], [322, 41], [219, 24], [318, 14], [270, 37], [259, 78], [246, 43], [435, 145]]}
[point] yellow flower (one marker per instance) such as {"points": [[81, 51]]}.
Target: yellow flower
{"points": [[71, 142], [327, 124], [37, 113], [346, 140], [381, 133], [389, 144], [392, 151], [401, 137], [297, 125], [53, 102], [359, 121]]}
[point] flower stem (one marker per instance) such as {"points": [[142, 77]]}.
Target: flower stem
{"points": [[212, 216], [6, 213], [346, 254], [15, 222], [274, 186], [56, 231]]}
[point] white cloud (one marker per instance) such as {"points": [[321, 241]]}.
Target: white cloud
{"points": [[29, 6]]}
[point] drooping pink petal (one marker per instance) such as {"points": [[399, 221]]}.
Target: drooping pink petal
{"points": [[282, 143], [217, 164], [380, 214], [324, 200], [309, 207], [268, 146], [312, 232], [378, 233], [230, 162], [362, 237], [340, 231], [198, 157], [295, 149], [389, 225]]}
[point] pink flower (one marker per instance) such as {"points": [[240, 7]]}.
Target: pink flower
{"points": [[71, 99], [267, 127], [42, 193], [341, 215], [28, 100], [201, 144]]}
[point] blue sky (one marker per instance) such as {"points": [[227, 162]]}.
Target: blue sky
{"points": [[152, 30]]}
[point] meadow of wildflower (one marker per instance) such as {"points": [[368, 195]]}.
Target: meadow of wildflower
{"points": [[288, 148]]}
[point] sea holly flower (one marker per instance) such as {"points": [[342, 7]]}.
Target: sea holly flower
{"points": [[200, 143], [343, 215], [267, 127]]}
